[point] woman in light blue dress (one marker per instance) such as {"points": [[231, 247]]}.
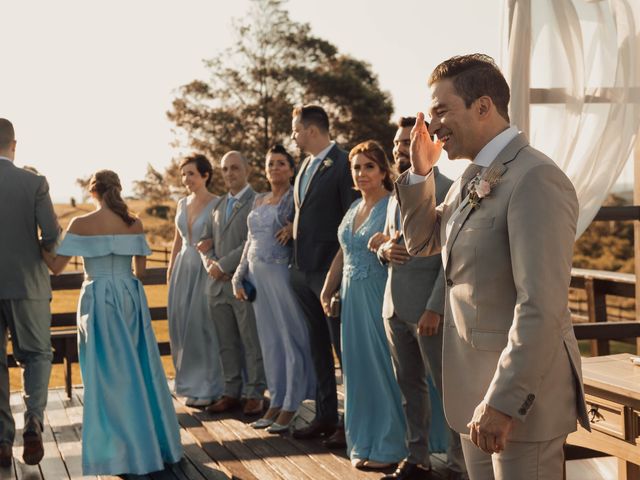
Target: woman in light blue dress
{"points": [[129, 425], [374, 420], [194, 343], [282, 332]]}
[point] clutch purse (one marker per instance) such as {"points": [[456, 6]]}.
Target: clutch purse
{"points": [[334, 305], [249, 289]]}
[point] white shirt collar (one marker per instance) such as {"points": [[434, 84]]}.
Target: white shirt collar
{"points": [[240, 193], [491, 150], [7, 159], [324, 152]]}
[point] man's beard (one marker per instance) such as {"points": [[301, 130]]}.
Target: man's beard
{"points": [[404, 164]]}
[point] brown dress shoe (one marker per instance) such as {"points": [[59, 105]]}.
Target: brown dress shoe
{"points": [[6, 455], [314, 430], [254, 406], [225, 404], [33, 450], [337, 440]]}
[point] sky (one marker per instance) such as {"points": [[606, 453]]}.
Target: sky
{"points": [[87, 83]]}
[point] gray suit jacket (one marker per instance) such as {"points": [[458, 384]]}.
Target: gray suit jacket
{"points": [[25, 207], [508, 337], [418, 284], [228, 237]]}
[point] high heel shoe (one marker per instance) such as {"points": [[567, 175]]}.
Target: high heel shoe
{"points": [[262, 423], [278, 428]]}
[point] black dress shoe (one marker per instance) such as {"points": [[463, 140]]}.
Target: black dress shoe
{"points": [[409, 471], [314, 430], [337, 440], [33, 450]]}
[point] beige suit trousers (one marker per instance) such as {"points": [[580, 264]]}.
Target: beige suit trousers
{"points": [[519, 460]]}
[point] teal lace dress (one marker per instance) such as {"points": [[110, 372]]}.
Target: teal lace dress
{"points": [[129, 424], [374, 420]]}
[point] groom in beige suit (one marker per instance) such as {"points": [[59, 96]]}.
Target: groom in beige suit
{"points": [[511, 366]]}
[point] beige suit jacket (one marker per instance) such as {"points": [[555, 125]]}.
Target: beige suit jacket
{"points": [[508, 337]]}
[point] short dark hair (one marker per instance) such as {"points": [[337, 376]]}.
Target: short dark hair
{"points": [[7, 133], [374, 151], [313, 115], [405, 122], [202, 163], [474, 76]]}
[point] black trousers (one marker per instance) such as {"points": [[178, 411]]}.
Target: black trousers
{"points": [[323, 333]]}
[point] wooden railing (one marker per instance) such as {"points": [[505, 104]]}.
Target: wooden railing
{"points": [[595, 324]]}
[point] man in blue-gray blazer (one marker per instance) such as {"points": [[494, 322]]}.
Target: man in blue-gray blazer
{"points": [[28, 223]]}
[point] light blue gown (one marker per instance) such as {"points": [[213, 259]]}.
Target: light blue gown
{"points": [[194, 343], [129, 424], [283, 335], [374, 421]]}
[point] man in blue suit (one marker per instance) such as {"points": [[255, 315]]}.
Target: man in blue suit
{"points": [[323, 192]]}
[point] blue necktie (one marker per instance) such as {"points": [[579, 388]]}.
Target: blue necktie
{"points": [[230, 203], [306, 177]]}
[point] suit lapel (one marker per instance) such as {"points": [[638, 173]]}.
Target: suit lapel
{"points": [[463, 209], [236, 208], [322, 168]]}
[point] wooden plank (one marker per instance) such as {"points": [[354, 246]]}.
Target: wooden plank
{"points": [[52, 466], [264, 449], [309, 460], [335, 460], [228, 463], [197, 459], [607, 330], [23, 471], [239, 449], [66, 434]]}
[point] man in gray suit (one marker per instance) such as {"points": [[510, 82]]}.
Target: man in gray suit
{"points": [[25, 294], [511, 364], [226, 232], [413, 308]]}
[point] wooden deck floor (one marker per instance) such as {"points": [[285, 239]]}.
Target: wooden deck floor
{"points": [[216, 448]]}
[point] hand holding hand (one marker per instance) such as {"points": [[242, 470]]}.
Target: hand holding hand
{"points": [[214, 271], [428, 323], [489, 428], [204, 246], [376, 240], [285, 234], [424, 152]]}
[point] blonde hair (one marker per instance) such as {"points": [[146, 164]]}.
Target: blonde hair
{"points": [[106, 184]]}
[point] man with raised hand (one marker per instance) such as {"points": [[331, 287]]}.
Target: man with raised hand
{"points": [[511, 365]]}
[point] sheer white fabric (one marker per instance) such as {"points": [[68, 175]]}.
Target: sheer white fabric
{"points": [[574, 71]]}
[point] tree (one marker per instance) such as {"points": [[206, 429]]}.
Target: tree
{"points": [[83, 183], [274, 65]]}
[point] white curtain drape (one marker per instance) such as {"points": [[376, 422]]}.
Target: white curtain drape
{"points": [[574, 71]]}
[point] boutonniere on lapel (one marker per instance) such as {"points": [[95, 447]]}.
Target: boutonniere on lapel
{"points": [[481, 185], [326, 163]]}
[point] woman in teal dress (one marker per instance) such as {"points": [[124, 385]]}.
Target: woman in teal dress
{"points": [[374, 420], [129, 425]]}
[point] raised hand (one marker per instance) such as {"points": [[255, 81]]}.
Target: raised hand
{"points": [[424, 152]]}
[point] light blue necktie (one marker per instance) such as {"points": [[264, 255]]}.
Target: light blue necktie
{"points": [[306, 177], [230, 203]]}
